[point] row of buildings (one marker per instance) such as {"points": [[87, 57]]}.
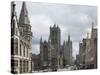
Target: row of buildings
{"points": [[87, 58], [53, 55], [21, 41]]}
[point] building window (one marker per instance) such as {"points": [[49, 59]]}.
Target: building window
{"points": [[20, 49], [12, 46], [27, 66], [45, 53], [27, 52], [14, 66], [24, 50], [21, 66], [24, 66], [16, 46], [53, 33]]}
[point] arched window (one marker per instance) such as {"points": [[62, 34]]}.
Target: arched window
{"points": [[16, 46], [45, 53], [20, 48], [27, 51], [12, 46], [24, 50], [21, 66]]}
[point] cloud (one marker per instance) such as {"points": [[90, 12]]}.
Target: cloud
{"points": [[40, 24]]}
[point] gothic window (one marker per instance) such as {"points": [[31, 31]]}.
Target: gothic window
{"points": [[27, 66], [24, 51], [95, 43], [24, 66], [16, 46], [14, 65], [20, 49], [21, 66], [27, 52], [45, 54], [12, 46], [53, 33]]}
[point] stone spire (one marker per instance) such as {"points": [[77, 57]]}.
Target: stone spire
{"points": [[14, 26], [23, 19]]}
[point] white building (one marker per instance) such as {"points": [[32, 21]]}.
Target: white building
{"points": [[21, 41]]}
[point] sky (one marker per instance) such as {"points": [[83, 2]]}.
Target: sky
{"points": [[75, 20]]}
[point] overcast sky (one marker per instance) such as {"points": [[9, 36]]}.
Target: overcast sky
{"points": [[73, 19]]}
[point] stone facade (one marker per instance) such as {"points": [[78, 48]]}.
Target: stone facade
{"points": [[88, 50], [91, 52], [21, 41]]}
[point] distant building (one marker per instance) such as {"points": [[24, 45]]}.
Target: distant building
{"points": [[55, 36], [88, 50], [91, 57], [21, 41], [76, 62], [36, 62], [44, 54], [51, 51], [67, 52], [82, 54]]}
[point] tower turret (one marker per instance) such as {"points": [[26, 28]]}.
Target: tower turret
{"points": [[24, 23], [24, 19]]}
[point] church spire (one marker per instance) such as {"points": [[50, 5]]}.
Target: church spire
{"points": [[23, 19], [14, 26]]}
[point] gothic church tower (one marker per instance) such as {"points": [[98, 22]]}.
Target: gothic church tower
{"points": [[55, 36]]}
